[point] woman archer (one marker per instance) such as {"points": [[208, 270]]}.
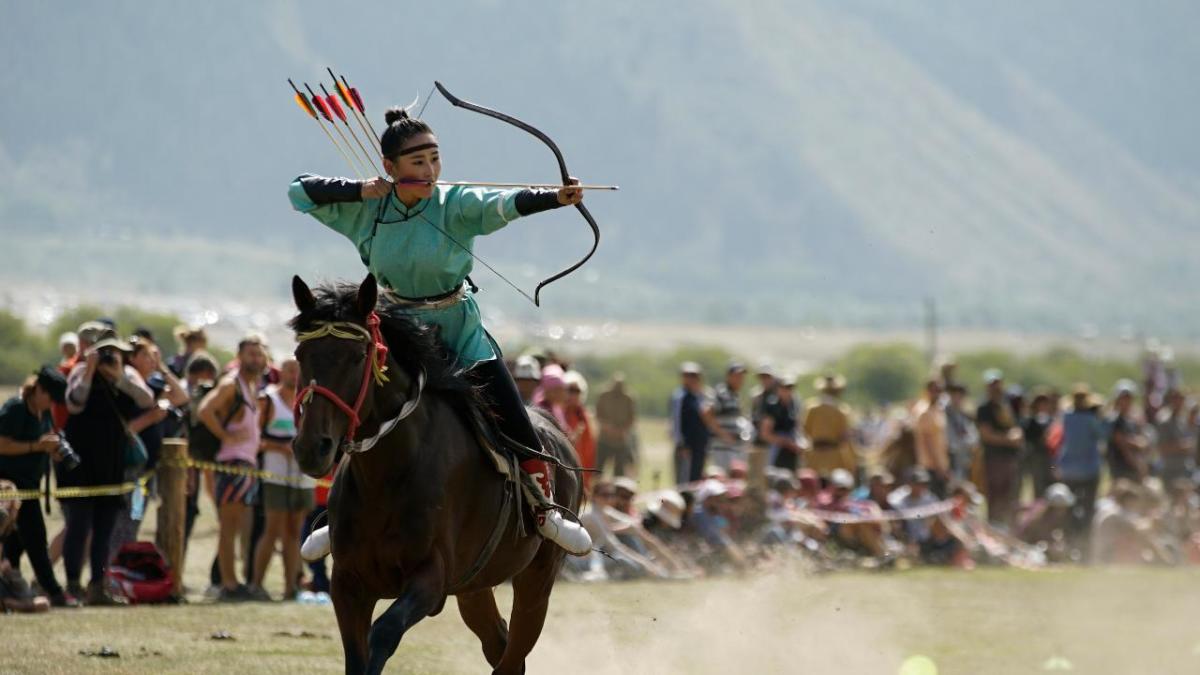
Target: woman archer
{"points": [[415, 237]]}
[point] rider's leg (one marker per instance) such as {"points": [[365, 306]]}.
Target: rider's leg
{"points": [[514, 422]]}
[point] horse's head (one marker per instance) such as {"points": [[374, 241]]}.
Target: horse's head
{"points": [[336, 374]]}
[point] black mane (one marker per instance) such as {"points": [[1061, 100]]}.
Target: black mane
{"points": [[413, 346]]}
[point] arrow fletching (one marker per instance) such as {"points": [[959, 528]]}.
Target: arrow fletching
{"points": [[320, 104], [342, 89], [334, 105], [302, 101], [354, 96]]}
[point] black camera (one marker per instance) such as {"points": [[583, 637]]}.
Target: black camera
{"points": [[67, 455], [109, 357]]}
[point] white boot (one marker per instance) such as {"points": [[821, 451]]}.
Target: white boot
{"points": [[566, 533], [316, 546]]}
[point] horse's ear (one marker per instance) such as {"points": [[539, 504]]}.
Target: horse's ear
{"points": [[301, 294], [368, 294]]}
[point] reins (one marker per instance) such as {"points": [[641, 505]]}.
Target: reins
{"points": [[376, 369]]}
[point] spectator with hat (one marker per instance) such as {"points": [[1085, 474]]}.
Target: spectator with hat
{"points": [[616, 412], [827, 426], [103, 395], [528, 376], [1127, 445], [68, 348], [1002, 442], [779, 426], [1047, 522], [709, 523], [1080, 459], [551, 395], [27, 445], [763, 391], [692, 424], [727, 409], [579, 424]]}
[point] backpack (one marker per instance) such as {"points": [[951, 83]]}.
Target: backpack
{"points": [[202, 443], [140, 574]]}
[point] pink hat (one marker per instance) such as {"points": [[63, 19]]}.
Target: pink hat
{"points": [[552, 377]]}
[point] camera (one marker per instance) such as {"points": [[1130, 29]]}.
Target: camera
{"points": [[108, 356], [67, 455]]}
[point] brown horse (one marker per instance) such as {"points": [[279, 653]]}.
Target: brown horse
{"points": [[416, 503]]}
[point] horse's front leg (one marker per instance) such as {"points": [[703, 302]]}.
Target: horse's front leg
{"points": [[354, 620], [424, 594]]}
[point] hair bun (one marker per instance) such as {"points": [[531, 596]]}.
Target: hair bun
{"points": [[395, 114]]}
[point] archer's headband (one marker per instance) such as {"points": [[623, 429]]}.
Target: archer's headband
{"points": [[416, 148]]}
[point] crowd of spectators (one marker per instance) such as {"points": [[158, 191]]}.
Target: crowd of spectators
{"points": [[954, 477], [98, 420], [757, 475]]}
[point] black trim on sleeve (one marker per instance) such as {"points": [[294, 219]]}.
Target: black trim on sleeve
{"points": [[529, 202], [331, 190]]}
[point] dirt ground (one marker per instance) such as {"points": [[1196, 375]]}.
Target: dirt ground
{"points": [[999, 621]]}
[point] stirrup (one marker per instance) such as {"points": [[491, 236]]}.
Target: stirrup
{"points": [[316, 546]]}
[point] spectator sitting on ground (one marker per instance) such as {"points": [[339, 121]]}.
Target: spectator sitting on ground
{"points": [[1122, 535], [866, 537], [1045, 523], [712, 527], [880, 485], [632, 533], [1181, 522], [621, 562]]}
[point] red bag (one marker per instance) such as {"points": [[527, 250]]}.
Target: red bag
{"points": [[140, 574]]}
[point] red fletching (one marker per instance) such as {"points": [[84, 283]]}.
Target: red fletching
{"points": [[334, 105], [354, 96], [324, 110]]}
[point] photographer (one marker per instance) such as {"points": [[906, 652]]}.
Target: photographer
{"points": [[150, 425], [102, 395], [27, 443]]}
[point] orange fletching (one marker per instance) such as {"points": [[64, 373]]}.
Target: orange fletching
{"points": [[305, 105]]}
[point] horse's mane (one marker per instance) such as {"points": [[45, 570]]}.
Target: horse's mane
{"points": [[414, 346]]}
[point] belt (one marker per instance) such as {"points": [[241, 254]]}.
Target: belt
{"points": [[826, 445], [439, 301]]}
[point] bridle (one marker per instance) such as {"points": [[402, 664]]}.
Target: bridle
{"points": [[375, 369]]}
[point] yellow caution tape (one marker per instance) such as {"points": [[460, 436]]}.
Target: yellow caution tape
{"points": [[126, 488]]}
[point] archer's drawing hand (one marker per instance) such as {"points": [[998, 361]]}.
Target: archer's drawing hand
{"points": [[376, 188]]}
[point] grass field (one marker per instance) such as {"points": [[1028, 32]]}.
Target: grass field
{"points": [[1133, 621]]}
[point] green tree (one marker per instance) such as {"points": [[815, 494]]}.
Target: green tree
{"points": [[22, 352]]}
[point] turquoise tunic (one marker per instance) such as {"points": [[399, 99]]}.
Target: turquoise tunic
{"points": [[407, 254]]}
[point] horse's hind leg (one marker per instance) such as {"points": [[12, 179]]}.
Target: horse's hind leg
{"points": [[531, 599], [479, 612], [422, 597]]}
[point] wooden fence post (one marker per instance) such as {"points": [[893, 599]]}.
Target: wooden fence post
{"points": [[172, 513]]}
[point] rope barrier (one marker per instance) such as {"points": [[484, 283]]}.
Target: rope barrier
{"points": [[141, 483]]}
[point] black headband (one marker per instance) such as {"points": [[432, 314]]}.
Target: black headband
{"points": [[416, 148]]}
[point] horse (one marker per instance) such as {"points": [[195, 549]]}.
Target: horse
{"points": [[416, 504]]}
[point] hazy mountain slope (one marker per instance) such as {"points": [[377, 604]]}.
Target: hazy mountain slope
{"points": [[790, 161]]}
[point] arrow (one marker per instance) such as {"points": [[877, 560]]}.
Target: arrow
{"points": [[307, 107], [548, 186], [323, 106], [341, 114], [354, 102]]}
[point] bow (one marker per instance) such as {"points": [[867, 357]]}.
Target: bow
{"points": [[562, 167]]}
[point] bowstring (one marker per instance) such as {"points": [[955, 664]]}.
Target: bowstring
{"points": [[428, 98]]}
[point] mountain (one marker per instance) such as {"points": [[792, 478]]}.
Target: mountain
{"points": [[1029, 165]]}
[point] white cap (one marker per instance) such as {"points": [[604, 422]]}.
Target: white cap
{"points": [[68, 338], [841, 478], [527, 368], [668, 506], [709, 489], [1060, 495], [1125, 386], [993, 375]]}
